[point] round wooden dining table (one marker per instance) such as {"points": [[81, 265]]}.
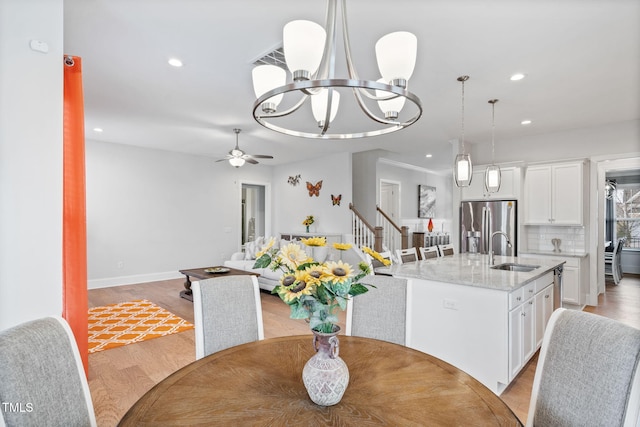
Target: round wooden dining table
{"points": [[260, 384]]}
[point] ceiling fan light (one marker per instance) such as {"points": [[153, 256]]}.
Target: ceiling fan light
{"points": [[236, 161], [303, 45], [462, 170], [266, 78], [396, 54], [319, 103], [492, 178]]}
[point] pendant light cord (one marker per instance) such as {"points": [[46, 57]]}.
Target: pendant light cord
{"points": [[462, 79], [493, 129]]}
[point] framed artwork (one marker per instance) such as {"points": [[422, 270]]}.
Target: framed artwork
{"points": [[426, 201]]}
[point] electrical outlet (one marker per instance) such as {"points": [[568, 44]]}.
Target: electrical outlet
{"points": [[450, 304]]}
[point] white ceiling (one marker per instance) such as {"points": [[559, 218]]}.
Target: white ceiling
{"points": [[581, 58]]}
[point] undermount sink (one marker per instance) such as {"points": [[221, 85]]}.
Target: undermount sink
{"points": [[515, 267]]}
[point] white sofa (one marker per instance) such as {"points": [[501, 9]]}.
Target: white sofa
{"points": [[244, 261]]}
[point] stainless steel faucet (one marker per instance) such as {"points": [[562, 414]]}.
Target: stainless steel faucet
{"points": [[492, 260]]}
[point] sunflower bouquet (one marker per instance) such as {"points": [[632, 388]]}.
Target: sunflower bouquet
{"points": [[314, 291]]}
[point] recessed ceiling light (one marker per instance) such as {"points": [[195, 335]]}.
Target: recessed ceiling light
{"points": [[525, 122], [97, 130], [428, 156], [175, 62], [517, 76]]}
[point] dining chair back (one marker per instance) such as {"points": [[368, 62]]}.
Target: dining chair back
{"points": [[227, 312], [42, 379], [407, 255], [383, 312], [429, 252], [587, 372], [377, 264], [446, 250], [612, 262]]}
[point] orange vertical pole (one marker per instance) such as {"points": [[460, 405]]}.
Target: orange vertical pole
{"points": [[74, 229]]}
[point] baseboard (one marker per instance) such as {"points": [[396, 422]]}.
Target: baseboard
{"points": [[130, 280]]}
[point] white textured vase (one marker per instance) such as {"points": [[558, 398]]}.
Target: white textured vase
{"points": [[320, 253], [325, 375]]}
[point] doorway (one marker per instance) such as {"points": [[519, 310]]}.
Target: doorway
{"points": [[254, 209], [604, 167], [390, 199]]}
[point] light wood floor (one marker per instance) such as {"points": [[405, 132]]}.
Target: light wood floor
{"points": [[120, 376]]}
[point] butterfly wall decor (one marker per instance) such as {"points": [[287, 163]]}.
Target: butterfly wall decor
{"points": [[294, 180], [314, 190], [336, 199]]}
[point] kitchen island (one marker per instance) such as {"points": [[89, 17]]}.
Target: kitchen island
{"points": [[486, 321]]}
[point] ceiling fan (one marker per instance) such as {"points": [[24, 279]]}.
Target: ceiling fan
{"points": [[237, 157]]}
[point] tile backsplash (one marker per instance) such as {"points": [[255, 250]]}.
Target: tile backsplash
{"points": [[538, 238]]}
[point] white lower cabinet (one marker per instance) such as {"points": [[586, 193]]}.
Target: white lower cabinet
{"points": [[544, 307], [530, 309]]}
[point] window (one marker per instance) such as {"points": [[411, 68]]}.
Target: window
{"points": [[626, 201]]}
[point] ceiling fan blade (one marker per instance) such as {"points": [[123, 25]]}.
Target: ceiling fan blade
{"points": [[222, 160], [250, 160], [261, 156]]}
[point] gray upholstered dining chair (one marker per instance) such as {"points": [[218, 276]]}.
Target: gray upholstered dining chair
{"points": [[382, 313], [42, 379], [227, 312], [588, 373]]}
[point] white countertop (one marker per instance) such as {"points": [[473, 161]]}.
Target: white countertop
{"points": [[473, 270]]}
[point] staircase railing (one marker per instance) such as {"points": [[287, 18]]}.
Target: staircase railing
{"points": [[365, 234], [393, 236], [386, 237]]}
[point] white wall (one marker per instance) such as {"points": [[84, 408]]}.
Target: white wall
{"points": [[151, 213], [410, 178], [292, 204], [30, 161], [623, 137]]}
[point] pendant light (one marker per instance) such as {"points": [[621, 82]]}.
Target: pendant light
{"points": [[492, 176], [462, 167]]}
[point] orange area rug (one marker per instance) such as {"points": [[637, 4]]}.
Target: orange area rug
{"points": [[126, 323]]}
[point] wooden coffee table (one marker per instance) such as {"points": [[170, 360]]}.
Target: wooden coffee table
{"points": [[202, 274]]}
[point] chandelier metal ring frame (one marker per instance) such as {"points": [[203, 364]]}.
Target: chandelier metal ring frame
{"points": [[324, 78], [356, 85]]}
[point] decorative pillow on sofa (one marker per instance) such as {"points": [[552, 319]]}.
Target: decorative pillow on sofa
{"points": [[251, 248]]}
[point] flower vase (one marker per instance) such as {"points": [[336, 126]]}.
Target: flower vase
{"points": [[307, 228], [325, 375], [320, 253]]}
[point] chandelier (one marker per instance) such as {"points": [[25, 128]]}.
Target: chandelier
{"points": [[310, 56]]}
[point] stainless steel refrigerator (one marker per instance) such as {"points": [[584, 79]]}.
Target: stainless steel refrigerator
{"points": [[480, 219]]}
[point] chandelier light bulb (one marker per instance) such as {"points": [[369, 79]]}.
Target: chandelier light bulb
{"points": [[319, 105], [303, 45], [396, 54], [266, 78], [390, 107]]}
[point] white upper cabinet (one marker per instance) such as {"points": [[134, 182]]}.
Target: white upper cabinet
{"points": [[509, 185], [554, 194]]}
